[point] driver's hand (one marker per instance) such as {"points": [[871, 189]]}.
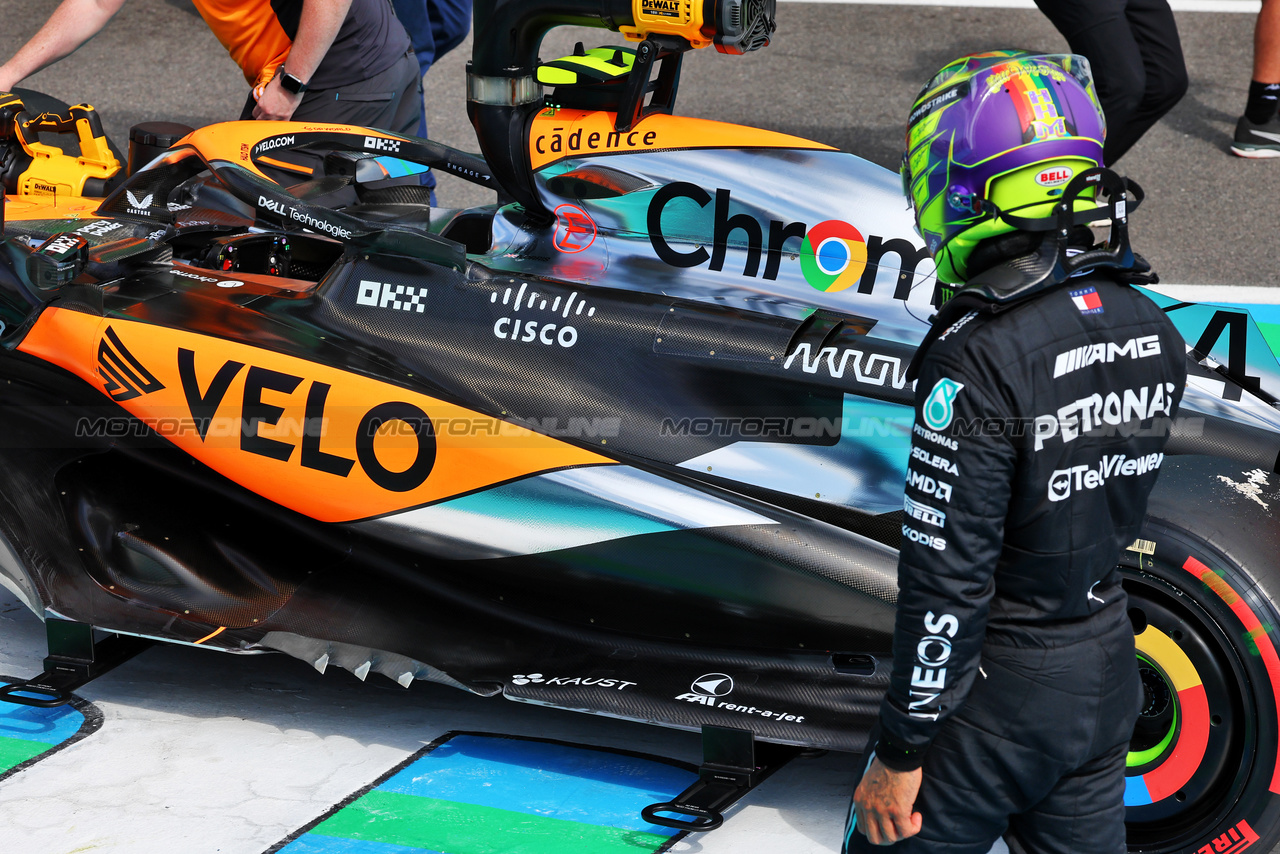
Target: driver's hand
{"points": [[884, 802], [274, 103]]}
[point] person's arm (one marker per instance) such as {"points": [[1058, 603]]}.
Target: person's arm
{"points": [[317, 28], [884, 804], [72, 24], [959, 483]]}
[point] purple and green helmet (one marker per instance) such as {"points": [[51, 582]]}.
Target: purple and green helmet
{"points": [[1002, 131]]}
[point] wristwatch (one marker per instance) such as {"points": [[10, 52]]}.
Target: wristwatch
{"points": [[290, 83]]}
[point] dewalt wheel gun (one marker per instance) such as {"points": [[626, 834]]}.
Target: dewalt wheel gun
{"points": [[29, 167]]}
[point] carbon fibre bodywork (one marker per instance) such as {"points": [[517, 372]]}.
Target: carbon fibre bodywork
{"points": [[644, 460], [589, 546]]}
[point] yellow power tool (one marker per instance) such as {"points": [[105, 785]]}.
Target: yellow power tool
{"points": [[29, 167], [733, 26]]}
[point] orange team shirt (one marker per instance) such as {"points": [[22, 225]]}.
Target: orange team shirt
{"points": [[251, 33], [259, 33]]}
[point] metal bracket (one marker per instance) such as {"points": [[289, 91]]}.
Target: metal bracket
{"points": [[75, 659], [655, 49], [733, 763]]}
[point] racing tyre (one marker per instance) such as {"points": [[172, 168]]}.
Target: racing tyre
{"points": [[1203, 776]]}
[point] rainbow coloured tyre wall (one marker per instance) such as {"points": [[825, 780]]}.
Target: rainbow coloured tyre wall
{"points": [[1202, 770]]}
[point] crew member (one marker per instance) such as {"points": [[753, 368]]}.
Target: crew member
{"points": [[344, 61], [1137, 61], [1045, 390], [435, 27], [1258, 130]]}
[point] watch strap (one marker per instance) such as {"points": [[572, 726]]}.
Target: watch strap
{"points": [[290, 83]]}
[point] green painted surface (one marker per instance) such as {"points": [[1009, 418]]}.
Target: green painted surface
{"points": [[15, 751], [456, 828], [1271, 332]]}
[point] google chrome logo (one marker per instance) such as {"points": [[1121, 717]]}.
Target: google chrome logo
{"points": [[833, 255]]}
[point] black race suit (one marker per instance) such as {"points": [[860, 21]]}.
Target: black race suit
{"points": [[1038, 436]]}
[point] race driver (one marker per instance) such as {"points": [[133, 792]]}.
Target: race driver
{"points": [[1044, 394], [345, 61]]}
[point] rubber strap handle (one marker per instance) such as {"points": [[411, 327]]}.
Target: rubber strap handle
{"points": [[703, 819], [50, 698]]}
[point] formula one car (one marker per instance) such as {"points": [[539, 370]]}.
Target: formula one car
{"points": [[632, 442]]}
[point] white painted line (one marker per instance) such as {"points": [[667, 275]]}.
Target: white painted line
{"points": [[1255, 294], [1250, 7]]}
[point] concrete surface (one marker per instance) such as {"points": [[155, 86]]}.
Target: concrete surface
{"points": [[208, 753], [842, 73]]}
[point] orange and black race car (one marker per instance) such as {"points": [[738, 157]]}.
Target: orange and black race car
{"points": [[631, 442]]}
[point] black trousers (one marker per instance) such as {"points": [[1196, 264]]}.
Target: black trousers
{"points": [[390, 101], [1036, 754], [1136, 56], [435, 27]]}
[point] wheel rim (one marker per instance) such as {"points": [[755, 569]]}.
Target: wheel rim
{"points": [[1158, 721], [1188, 761]]}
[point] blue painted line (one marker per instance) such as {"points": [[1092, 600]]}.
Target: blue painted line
{"points": [[1135, 792], [539, 778], [312, 843], [1262, 313], [50, 726], [542, 502], [397, 168]]}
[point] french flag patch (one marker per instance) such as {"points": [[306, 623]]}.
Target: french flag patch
{"points": [[1087, 300]]}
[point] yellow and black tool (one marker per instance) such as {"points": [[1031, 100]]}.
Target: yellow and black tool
{"points": [[733, 26], [29, 167]]}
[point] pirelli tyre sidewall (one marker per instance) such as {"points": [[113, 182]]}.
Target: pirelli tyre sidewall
{"points": [[1203, 584]]}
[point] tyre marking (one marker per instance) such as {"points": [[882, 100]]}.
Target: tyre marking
{"points": [[1233, 841], [1257, 634], [1193, 739]]}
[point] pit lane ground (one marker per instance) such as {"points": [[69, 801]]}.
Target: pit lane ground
{"points": [[841, 73], [202, 752], [207, 753]]}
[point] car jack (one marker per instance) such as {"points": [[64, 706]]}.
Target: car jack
{"points": [[733, 763], [75, 659]]}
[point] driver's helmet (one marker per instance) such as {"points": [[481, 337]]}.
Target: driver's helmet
{"points": [[1002, 131]]}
